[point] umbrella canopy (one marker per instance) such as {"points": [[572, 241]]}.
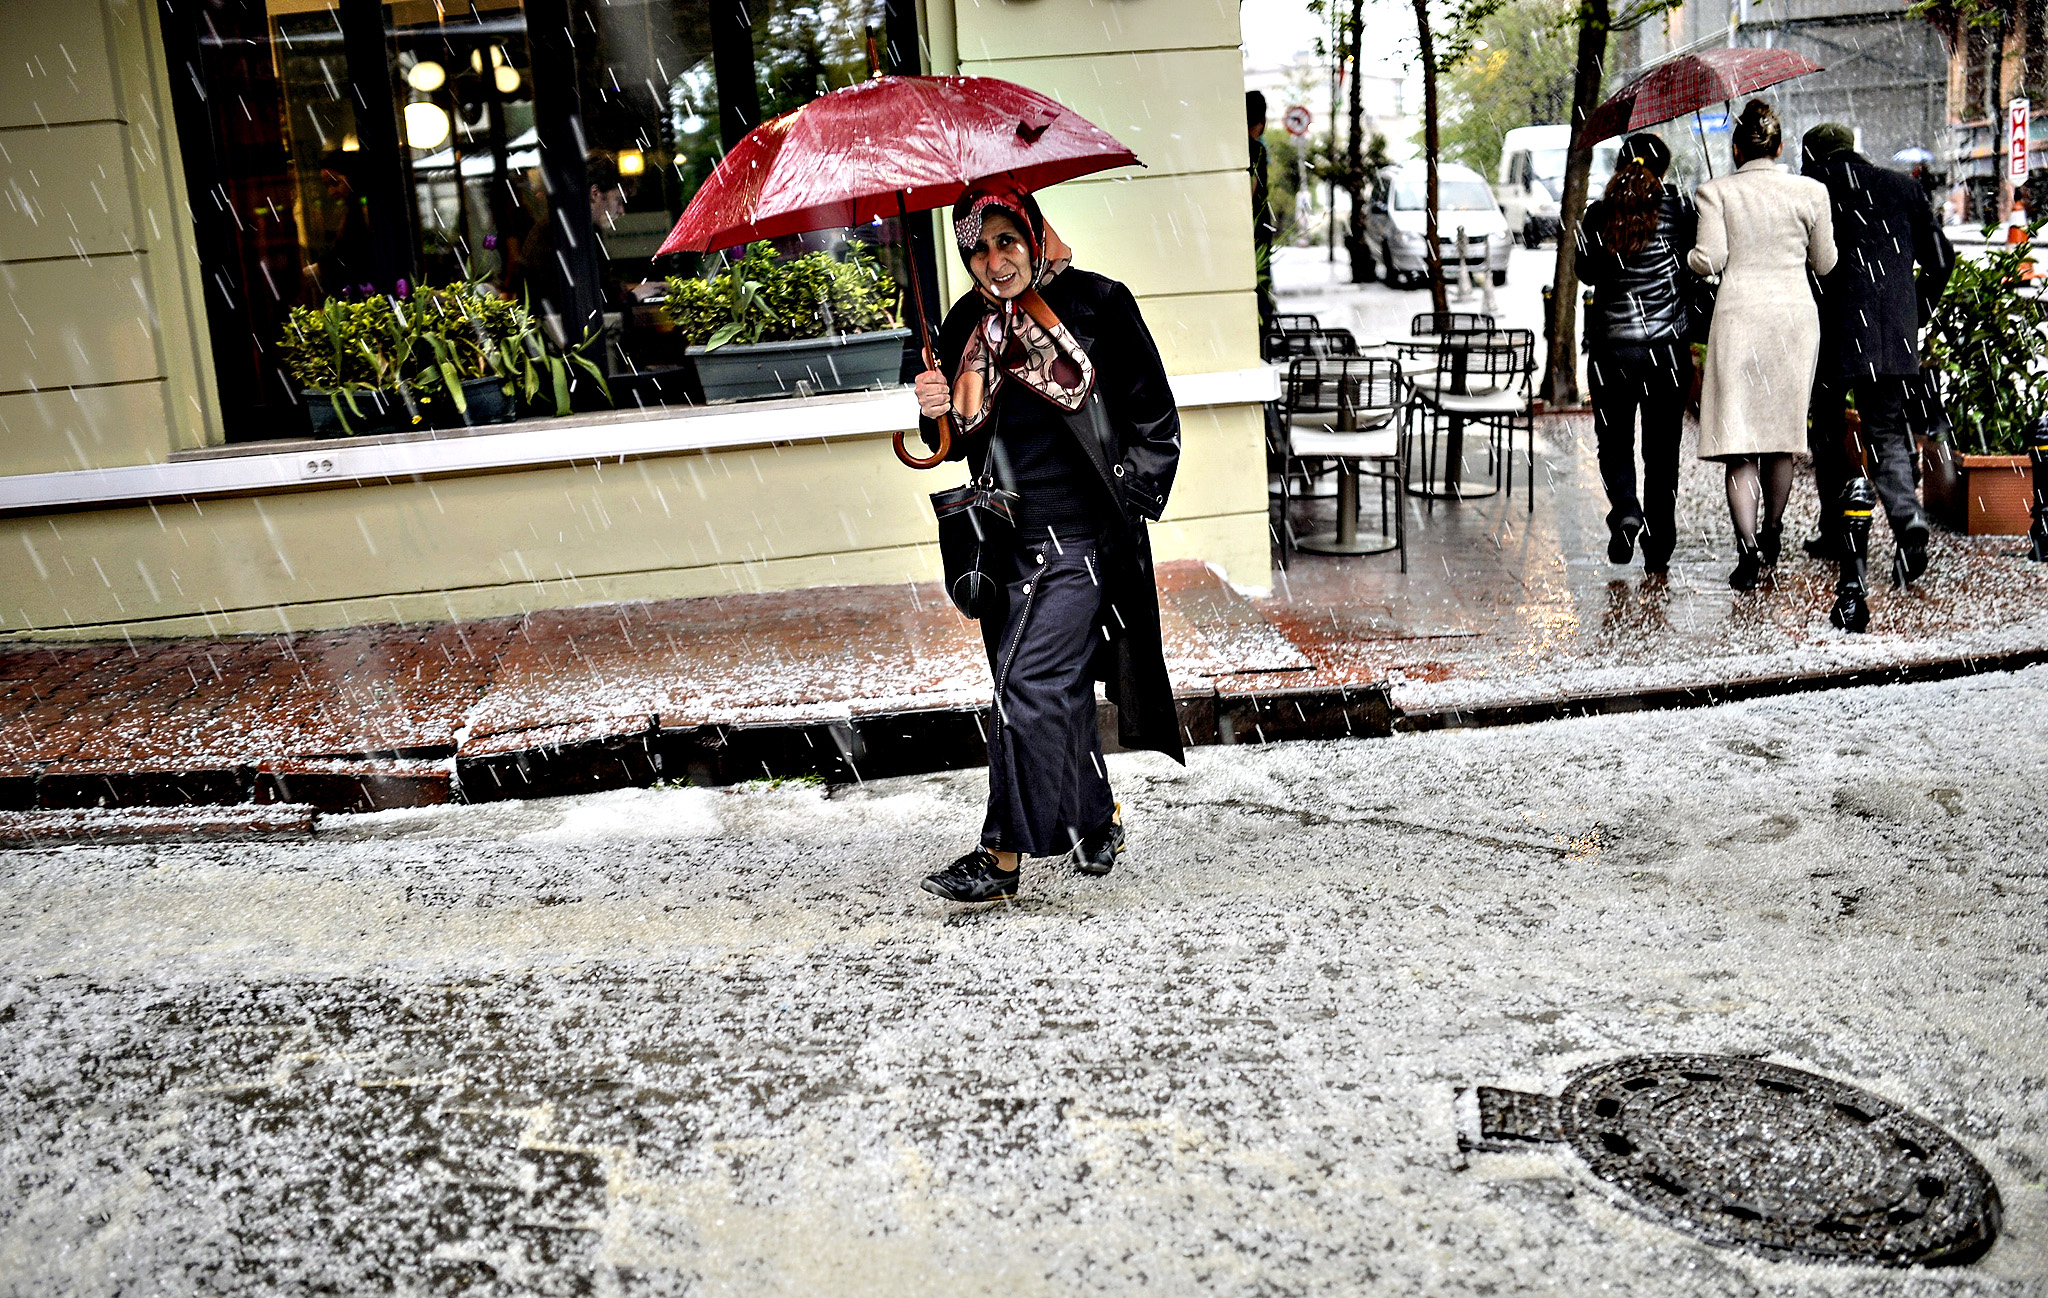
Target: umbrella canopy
{"points": [[886, 146], [1689, 83], [1914, 154]]}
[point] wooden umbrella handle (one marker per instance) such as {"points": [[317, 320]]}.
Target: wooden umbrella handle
{"points": [[938, 457], [945, 423]]}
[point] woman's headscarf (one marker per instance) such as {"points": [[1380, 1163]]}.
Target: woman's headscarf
{"points": [[1019, 337]]}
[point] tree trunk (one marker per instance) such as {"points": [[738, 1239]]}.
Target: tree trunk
{"points": [[1430, 144], [1561, 373], [1354, 164]]}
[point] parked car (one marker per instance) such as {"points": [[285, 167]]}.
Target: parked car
{"points": [[1531, 178], [1397, 229]]}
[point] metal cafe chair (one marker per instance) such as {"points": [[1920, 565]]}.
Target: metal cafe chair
{"points": [[1282, 324], [1486, 379], [1347, 411], [1286, 344], [1447, 322]]}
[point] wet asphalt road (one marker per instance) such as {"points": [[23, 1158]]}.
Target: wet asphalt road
{"points": [[711, 1042]]}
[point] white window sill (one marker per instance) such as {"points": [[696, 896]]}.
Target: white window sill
{"points": [[254, 468]]}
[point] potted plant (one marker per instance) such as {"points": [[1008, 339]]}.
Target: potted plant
{"points": [[1990, 342], [765, 326], [442, 357], [353, 362], [488, 356]]}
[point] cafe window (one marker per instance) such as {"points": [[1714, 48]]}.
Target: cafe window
{"points": [[342, 148]]}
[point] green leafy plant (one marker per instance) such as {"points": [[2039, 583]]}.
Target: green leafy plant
{"points": [[764, 298], [424, 348], [1990, 339], [472, 333], [347, 348]]}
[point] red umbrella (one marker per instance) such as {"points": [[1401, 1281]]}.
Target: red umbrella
{"points": [[890, 146], [1689, 83]]}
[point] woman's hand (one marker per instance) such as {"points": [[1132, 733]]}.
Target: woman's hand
{"points": [[934, 398]]}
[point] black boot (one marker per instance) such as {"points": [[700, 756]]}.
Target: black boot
{"points": [[1097, 851], [1770, 542], [1852, 606], [1826, 547], [1621, 539], [1749, 561], [1909, 560], [975, 877]]}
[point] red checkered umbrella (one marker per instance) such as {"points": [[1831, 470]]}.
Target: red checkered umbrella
{"points": [[1689, 83]]}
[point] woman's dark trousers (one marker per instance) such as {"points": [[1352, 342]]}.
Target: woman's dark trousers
{"points": [[1046, 783], [1655, 379]]}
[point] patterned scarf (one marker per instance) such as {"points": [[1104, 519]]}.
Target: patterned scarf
{"points": [[1020, 337]]}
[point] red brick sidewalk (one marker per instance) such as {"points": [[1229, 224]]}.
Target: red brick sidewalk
{"points": [[1505, 615]]}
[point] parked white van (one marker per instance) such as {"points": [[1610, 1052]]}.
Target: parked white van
{"points": [[1531, 179]]}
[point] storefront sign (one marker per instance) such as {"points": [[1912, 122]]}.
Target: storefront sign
{"points": [[2016, 141]]}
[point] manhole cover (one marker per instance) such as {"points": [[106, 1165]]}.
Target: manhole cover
{"points": [[1764, 1157]]}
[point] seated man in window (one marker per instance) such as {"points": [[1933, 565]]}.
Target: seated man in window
{"points": [[534, 268]]}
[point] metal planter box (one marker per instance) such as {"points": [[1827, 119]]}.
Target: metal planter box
{"points": [[808, 365]]}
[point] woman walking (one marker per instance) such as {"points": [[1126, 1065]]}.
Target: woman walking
{"points": [[1056, 391], [1761, 230], [1631, 249]]}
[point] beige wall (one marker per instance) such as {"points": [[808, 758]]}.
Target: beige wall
{"points": [[99, 361], [107, 367]]}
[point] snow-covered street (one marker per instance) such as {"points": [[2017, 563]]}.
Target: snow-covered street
{"points": [[715, 1041]]}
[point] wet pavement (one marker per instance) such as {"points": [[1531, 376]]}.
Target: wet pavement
{"points": [[1505, 614], [713, 1041]]}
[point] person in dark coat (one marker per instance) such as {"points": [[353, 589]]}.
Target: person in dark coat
{"points": [[1264, 224], [1632, 246], [1872, 308], [1056, 391]]}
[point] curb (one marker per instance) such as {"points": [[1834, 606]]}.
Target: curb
{"points": [[278, 797]]}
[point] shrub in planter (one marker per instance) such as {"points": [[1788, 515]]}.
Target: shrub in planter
{"points": [[449, 356], [1990, 340], [773, 323], [353, 362], [488, 355]]}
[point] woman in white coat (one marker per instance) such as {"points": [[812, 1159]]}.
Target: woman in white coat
{"points": [[1761, 230]]}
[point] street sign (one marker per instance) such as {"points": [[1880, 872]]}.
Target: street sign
{"points": [[2016, 141], [1296, 120]]}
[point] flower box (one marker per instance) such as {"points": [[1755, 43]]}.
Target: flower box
{"points": [[1991, 496], [382, 412], [782, 369]]}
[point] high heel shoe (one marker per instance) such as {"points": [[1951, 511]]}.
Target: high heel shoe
{"points": [[1749, 561]]}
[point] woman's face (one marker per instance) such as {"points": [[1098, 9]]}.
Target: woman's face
{"points": [[1001, 262]]}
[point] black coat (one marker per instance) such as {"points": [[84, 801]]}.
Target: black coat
{"points": [[1871, 306], [1130, 431], [1640, 299]]}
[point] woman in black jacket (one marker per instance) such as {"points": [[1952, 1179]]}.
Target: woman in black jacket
{"points": [[1632, 246], [1056, 392]]}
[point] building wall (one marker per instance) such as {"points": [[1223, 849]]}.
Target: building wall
{"points": [[105, 365], [100, 351]]}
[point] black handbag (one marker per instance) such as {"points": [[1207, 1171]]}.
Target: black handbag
{"points": [[1699, 307], [977, 522]]}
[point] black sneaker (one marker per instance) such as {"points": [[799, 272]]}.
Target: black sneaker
{"points": [[1097, 851], [975, 877], [1621, 539]]}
